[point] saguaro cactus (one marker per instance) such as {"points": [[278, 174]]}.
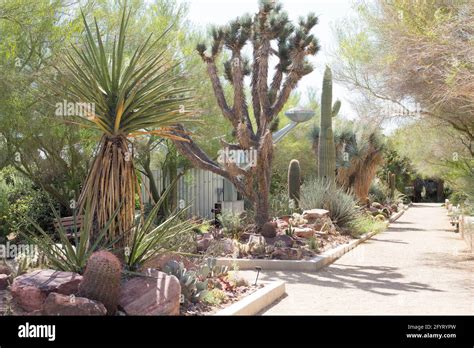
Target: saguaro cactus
{"points": [[294, 181], [327, 148], [392, 185]]}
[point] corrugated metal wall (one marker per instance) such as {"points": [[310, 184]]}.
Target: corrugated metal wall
{"points": [[199, 188]]}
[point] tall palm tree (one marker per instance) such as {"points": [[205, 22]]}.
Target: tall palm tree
{"points": [[132, 94]]}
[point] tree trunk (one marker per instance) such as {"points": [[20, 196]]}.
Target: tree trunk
{"points": [[264, 176], [155, 194], [110, 187]]}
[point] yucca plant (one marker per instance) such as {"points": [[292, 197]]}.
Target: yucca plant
{"points": [[131, 94]]}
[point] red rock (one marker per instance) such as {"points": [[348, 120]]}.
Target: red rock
{"points": [[313, 214], [286, 254], [30, 290], [204, 242], [283, 239], [58, 304], [3, 281], [4, 269], [304, 232], [151, 296], [160, 261], [282, 224]]}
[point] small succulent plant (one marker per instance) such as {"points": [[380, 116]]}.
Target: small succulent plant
{"points": [[194, 284]]}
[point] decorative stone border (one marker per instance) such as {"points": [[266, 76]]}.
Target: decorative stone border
{"points": [[312, 265], [255, 302]]}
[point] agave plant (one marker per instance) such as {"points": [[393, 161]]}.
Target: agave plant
{"points": [[149, 239], [132, 95]]}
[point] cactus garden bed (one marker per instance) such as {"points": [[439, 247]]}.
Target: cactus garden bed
{"points": [[296, 237]]}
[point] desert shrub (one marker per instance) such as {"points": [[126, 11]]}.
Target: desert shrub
{"points": [[378, 192], [21, 203], [280, 204], [317, 193], [232, 223], [458, 197], [365, 223]]}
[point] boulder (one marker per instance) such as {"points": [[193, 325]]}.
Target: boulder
{"points": [[157, 294], [304, 232], [160, 261], [256, 239], [314, 214], [294, 253], [282, 224], [377, 205], [204, 242], [286, 254], [31, 289], [5, 269], [220, 247], [3, 281], [283, 239], [59, 304], [269, 229]]}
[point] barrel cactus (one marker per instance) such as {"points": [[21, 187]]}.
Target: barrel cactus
{"points": [[327, 148], [294, 181], [101, 280]]}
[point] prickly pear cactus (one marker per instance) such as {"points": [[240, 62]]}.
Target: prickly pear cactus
{"points": [[101, 280], [327, 148], [294, 181]]}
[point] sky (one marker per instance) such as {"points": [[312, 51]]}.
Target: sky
{"points": [[205, 12]]}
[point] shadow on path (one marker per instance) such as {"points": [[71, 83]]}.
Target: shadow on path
{"points": [[382, 280]]}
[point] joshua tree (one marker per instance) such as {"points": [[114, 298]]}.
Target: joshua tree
{"points": [[291, 46]]}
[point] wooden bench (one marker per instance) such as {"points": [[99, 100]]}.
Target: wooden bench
{"points": [[70, 224]]}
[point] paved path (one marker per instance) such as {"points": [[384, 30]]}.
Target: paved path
{"points": [[418, 266]]}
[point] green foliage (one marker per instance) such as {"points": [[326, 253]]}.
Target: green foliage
{"points": [[323, 194], [215, 297], [281, 205], [378, 192], [364, 223], [232, 223], [313, 244], [149, 239], [20, 201], [289, 231], [69, 255]]}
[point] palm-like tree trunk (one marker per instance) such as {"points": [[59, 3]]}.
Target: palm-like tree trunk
{"points": [[110, 188]]}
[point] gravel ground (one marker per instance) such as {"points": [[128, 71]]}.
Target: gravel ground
{"points": [[418, 266]]}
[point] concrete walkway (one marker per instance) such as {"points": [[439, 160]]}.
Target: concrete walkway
{"points": [[418, 266]]}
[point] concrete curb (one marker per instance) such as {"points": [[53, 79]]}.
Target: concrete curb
{"points": [[314, 264], [254, 303], [395, 216]]}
